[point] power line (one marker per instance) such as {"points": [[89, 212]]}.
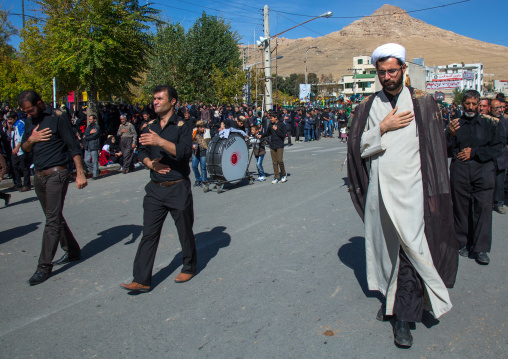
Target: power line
{"points": [[218, 10], [238, 7], [390, 14], [197, 12]]}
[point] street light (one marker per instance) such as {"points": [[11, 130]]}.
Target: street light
{"points": [[306, 52], [267, 52], [326, 15]]}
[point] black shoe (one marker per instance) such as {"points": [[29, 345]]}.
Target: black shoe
{"points": [[7, 199], [464, 251], [381, 316], [39, 277], [66, 259], [197, 184], [402, 334], [482, 258]]}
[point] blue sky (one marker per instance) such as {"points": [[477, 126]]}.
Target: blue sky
{"points": [[484, 20]]}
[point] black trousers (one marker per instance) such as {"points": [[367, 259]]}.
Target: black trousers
{"points": [[297, 134], [20, 170], [158, 201], [289, 135], [127, 152], [51, 191], [472, 186], [499, 188], [408, 304]]}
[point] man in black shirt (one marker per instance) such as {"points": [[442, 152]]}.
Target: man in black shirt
{"points": [[52, 139], [473, 142], [166, 147]]}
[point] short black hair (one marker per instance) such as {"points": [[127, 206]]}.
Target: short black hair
{"points": [[30, 96], [383, 59], [273, 114], [486, 98], [170, 90], [94, 117], [12, 114], [471, 94]]}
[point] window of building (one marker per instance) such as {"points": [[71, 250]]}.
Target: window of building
{"points": [[360, 61], [372, 72]]}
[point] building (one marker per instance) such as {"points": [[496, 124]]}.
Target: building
{"points": [[455, 76], [363, 81], [501, 86]]}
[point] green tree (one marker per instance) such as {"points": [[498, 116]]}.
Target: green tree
{"points": [[228, 85], [188, 60], [99, 45], [458, 95]]}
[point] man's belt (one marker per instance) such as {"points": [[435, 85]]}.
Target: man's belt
{"points": [[49, 171], [167, 183]]}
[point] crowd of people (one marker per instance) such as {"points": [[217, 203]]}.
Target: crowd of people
{"points": [[111, 136]]}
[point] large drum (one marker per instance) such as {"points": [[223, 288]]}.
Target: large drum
{"points": [[227, 158]]}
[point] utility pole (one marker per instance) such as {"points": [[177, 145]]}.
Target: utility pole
{"points": [[246, 87], [354, 81], [267, 63], [23, 12]]}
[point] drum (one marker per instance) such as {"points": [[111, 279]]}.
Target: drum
{"points": [[227, 158]]}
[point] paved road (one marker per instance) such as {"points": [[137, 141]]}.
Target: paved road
{"points": [[281, 275]]}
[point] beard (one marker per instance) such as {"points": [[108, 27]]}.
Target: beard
{"points": [[470, 114], [391, 84]]}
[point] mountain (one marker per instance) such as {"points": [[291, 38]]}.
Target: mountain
{"points": [[387, 24]]}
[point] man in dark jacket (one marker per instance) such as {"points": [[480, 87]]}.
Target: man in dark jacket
{"points": [[277, 133], [501, 161], [92, 146]]}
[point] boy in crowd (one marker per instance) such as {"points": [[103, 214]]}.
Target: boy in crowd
{"points": [[277, 133], [259, 151]]}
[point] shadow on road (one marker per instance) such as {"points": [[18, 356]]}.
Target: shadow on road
{"points": [[23, 201], [17, 232], [208, 244], [352, 254], [105, 239]]}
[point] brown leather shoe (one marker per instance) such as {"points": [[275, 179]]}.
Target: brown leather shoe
{"points": [[135, 287], [25, 189], [183, 277]]}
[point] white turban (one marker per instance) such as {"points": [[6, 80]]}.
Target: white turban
{"points": [[389, 50]]}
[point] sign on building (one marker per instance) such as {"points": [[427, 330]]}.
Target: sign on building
{"points": [[443, 85], [305, 92]]}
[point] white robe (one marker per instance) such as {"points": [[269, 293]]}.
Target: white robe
{"points": [[394, 212]]}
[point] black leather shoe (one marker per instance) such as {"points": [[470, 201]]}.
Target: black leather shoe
{"points": [[464, 252], [402, 334], [39, 277], [482, 258], [66, 259]]}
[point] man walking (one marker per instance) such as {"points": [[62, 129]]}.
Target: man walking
{"points": [[92, 146], [166, 147], [128, 136], [473, 142], [51, 139], [19, 160], [501, 161], [398, 177]]}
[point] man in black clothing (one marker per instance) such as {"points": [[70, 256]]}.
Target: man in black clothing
{"points": [[501, 161], [473, 142], [92, 146], [277, 133], [52, 139], [286, 118], [166, 147]]}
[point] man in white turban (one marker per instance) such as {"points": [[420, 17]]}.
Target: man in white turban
{"points": [[398, 181]]}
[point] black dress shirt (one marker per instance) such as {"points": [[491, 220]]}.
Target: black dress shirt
{"points": [[62, 142], [178, 132], [478, 133]]}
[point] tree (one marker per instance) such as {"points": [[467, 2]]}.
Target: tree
{"points": [[101, 45], [458, 95], [187, 61], [228, 85]]}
